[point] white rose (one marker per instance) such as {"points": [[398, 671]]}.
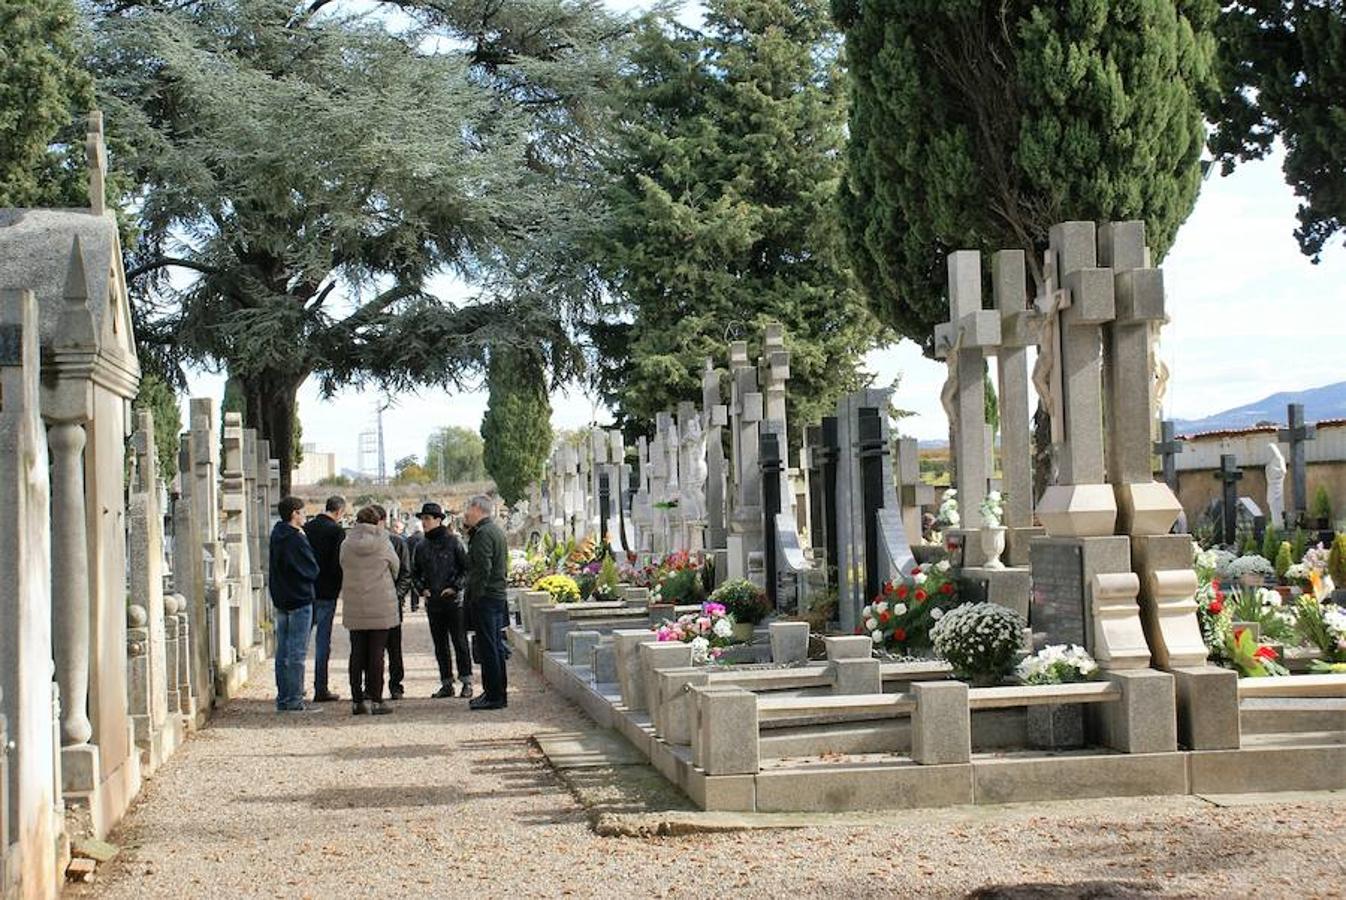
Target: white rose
{"points": [[936, 613], [722, 628], [943, 565], [899, 609], [871, 624], [919, 578], [877, 636]]}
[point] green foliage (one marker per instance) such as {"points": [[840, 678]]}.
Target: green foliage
{"points": [[1284, 560], [979, 125], [1246, 605], [1336, 560], [1321, 508], [992, 402], [1271, 542], [608, 583], [335, 481], [1299, 544], [157, 397], [309, 166], [408, 470], [1282, 68], [723, 210], [516, 429], [44, 96], [236, 400], [1312, 627], [454, 455], [1249, 658]]}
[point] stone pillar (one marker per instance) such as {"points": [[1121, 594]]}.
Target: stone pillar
{"points": [[746, 410], [70, 581], [212, 645], [829, 449], [147, 654], [914, 495], [716, 417], [29, 772]]}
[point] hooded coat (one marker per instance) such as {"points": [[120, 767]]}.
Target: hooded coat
{"points": [[369, 567], [294, 569]]}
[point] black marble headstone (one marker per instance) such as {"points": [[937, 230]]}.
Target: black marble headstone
{"points": [[1057, 608]]}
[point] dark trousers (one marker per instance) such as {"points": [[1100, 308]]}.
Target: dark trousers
{"points": [[396, 672], [447, 629], [367, 649], [490, 621]]}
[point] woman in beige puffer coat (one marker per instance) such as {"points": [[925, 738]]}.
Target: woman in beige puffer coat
{"points": [[368, 607]]}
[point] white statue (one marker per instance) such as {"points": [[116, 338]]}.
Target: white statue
{"points": [[693, 494], [1275, 471]]}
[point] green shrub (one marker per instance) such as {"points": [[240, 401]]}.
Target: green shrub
{"points": [[1271, 542], [1336, 561], [1322, 504], [1284, 560]]}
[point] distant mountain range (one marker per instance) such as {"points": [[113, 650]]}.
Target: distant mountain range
{"points": [[1327, 402]]}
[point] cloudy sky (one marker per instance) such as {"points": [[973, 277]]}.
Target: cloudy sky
{"points": [[1250, 316]]}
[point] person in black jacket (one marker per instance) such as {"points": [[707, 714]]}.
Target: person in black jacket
{"points": [[438, 571], [486, 600], [325, 534], [294, 570], [402, 584]]}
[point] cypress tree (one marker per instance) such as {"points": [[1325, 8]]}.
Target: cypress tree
{"points": [[978, 125], [516, 429], [723, 212], [44, 94]]}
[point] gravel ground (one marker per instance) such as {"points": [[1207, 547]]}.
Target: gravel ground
{"points": [[439, 801]]}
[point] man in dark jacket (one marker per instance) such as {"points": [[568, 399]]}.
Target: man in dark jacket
{"points": [[488, 567], [325, 534], [401, 584], [438, 571], [294, 571]]}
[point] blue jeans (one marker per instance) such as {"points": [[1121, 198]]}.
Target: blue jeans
{"points": [[324, 611], [292, 627]]}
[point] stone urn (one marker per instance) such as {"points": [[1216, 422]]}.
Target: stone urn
{"points": [[993, 545]]}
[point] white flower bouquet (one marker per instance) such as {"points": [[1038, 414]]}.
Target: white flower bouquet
{"points": [[1251, 565], [993, 509], [1057, 664]]}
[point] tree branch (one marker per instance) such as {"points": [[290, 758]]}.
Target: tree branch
{"points": [[165, 262]]}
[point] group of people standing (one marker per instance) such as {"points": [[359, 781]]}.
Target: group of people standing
{"points": [[371, 570]]}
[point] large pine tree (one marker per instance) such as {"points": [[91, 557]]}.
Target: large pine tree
{"points": [[723, 212], [978, 124]]}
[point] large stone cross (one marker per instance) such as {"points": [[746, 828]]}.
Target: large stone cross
{"points": [[1069, 375], [1020, 328], [1229, 475], [1296, 434], [964, 341]]}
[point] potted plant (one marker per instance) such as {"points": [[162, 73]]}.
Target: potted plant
{"points": [[746, 603], [608, 582], [980, 641], [1251, 570], [1322, 625], [562, 588], [1320, 513], [992, 532]]}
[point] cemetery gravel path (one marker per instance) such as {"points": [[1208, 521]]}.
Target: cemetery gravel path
{"points": [[437, 801]]}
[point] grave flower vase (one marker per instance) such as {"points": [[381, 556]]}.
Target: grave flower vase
{"points": [[743, 632], [993, 545]]}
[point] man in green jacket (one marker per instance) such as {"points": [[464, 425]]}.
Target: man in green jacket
{"points": [[487, 609]]}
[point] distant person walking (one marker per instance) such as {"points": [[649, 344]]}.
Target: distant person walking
{"points": [[413, 541], [402, 584], [369, 566], [294, 573], [439, 570], [488, 565], [326, 534]]}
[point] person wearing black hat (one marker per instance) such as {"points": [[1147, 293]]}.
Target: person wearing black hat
{"points": [[438, 573]]}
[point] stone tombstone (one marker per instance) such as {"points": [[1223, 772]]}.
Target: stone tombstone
{"points": [[234, 497], [1020, 328], [1275, 474], [745, 540], [1057, 609], [30, 774], [963, 342], [1167, 448], [212, 646], [715, 416], [915, 496], [1077, 302], [149, 669], [1296, 434]]}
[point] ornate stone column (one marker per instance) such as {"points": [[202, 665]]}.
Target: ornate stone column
{"points": [[70, 580]]}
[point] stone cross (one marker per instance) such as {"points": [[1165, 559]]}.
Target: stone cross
{"points": [[1068, 376], [1020, 328], [746, 411], [1144, 506], [773, 371], [1229, 476], [1296, 434], [964, 341], [1168, 447]]}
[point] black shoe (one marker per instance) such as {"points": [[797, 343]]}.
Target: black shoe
{"points": [[396, 693], [466, 690], [360, 708], [381, 708], [484, 702], [325, 697], [444, 692]]}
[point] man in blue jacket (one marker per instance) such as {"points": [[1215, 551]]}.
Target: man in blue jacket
{"points": [[294, 573]]}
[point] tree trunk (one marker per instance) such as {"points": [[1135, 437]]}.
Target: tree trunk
{"points": [[271, 402]]}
